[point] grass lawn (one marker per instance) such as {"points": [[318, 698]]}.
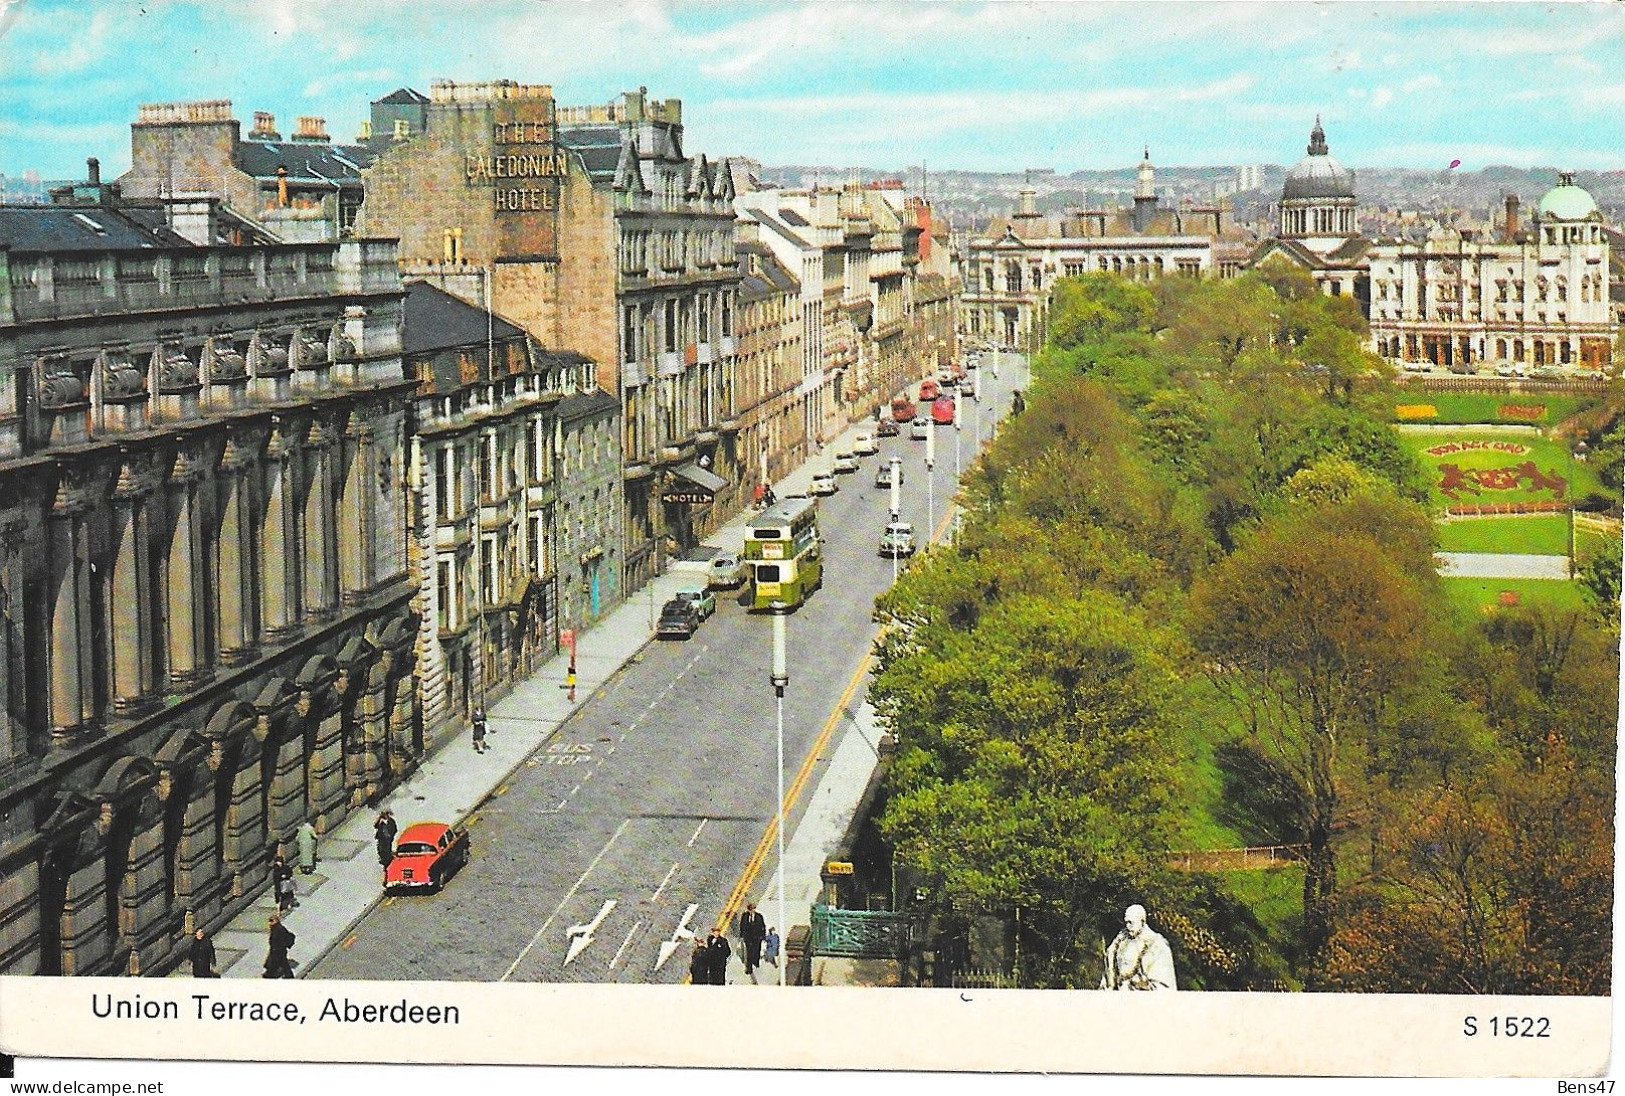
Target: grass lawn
{"points": [[1535, 534], [1481, 455], [1210, 720], [1479, 407], [1472, 597]]}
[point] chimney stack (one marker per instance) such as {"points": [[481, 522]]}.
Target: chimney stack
{"points": [[1027, 202], [311, 128], [93, 170], [1512, 216], [264, 127]]}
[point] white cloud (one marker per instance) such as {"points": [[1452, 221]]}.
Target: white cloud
{"points": [[1381, 97], [87, 43], [1421, 83]]}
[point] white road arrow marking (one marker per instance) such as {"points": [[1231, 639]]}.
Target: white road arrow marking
{"points": [[681, 933], [583, 933]]}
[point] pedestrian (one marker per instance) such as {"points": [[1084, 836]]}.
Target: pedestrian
{"points": [[383, 832], [307, 847], [752, 930], [277, 964], [771, 952], [203, 956], [699, 964], [282, 884], [718, 949], [479, 730]]}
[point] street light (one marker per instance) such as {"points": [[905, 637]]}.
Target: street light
{"points": [[780, 679], [956, 436], [896, 505], [930, 480]]}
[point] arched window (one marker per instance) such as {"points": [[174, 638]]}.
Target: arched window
{"points": [[1012, 277]]}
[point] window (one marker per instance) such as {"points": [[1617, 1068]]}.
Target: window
{"points": [[629, 334], [443, 594], [443, 506], [671, 326]]}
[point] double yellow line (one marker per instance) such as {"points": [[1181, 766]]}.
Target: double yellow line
{"points": [[753, 866]]}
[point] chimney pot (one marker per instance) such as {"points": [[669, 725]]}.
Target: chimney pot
{"points": [[93, 169]]}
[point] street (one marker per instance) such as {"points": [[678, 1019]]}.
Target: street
{"points": [[631, 827]]}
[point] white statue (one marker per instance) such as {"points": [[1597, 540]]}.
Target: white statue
{"points": [[1139, 958]]}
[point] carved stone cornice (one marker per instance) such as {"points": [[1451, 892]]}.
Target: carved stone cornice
{"points": [[287, 435], [191, 462], [243, 447], [79, 489]]}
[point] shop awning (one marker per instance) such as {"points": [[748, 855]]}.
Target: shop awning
{"points": [[692, 484]]}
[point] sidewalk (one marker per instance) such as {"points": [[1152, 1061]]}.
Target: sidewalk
{"points": [[348, 880]]}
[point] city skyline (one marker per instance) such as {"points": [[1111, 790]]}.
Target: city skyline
{"points": [[884, 85]]}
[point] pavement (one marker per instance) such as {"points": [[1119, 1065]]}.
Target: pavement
{"points": [[1501, 565], [348, 880]]}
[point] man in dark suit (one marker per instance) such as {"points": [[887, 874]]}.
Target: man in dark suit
{"points": [[716, 947], [752, 930], [203, 956]]}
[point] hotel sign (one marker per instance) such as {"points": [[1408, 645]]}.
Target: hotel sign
{"points": [[508, 169]]}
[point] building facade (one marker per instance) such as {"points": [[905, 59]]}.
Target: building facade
{"points": [[1316, 228], [206, 630], [1009, 267], [1532, 296], [773, 434]]}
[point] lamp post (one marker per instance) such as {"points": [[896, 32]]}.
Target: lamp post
{"points": [[896, 505], [1576, 452], [780, 679], [930, 480], [957, 472]]}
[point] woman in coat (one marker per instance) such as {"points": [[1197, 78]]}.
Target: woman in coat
{"points": [[276, 958], [307, 847]]}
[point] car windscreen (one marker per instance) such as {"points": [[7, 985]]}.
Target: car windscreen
{"points": [[413, 848]]}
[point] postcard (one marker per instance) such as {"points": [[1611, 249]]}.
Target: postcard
{"points": [[1006, 538]]}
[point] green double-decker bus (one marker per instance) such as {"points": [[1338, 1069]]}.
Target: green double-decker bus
{"points": [[784, 553]]}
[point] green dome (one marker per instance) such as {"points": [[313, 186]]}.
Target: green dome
{"points": [[1567, 202]]}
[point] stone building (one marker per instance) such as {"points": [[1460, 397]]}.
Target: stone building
{"points": [[774, 416], [600, 234], [1010, 265], [206, 630], [868, 259], [497, 468], [194, 155], [1316, 229], [1527, 296]]}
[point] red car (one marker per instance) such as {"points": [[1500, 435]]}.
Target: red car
{"points": [[942, 411], [426, 854], [902, 409], [929, 391]]}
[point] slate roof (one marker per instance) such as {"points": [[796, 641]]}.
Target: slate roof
{"points": [[769, 277], [434, 320], [582, 404], [404, 95], [306, 161], [89, 228], [771, 220]]}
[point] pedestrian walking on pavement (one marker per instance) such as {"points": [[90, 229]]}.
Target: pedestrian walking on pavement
{"points": [[282, 884], [699, 964], [307, 847], [277, 964], [203, 956], [771, 952], [479, 730], [752, 930], [717, 947], [383, 832]]}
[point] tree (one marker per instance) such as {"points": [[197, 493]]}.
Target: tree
{"points": [[1307, 627], [1034, 767]]}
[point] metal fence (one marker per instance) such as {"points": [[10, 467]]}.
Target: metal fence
{"points": [[1248, 859], [860, 934]]}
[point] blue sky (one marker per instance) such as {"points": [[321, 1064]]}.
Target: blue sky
{"points": [[882, 83]]}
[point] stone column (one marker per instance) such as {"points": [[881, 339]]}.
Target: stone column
{"points": [[319, 526], [234, 558], [71, 656], [279, 541], [184, 609], [355, 516], [13, 739], [132, 631]]}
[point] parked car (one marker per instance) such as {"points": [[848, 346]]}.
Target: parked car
{"points": [[426, 855], [1505, 369], [678, 618], [942, 411], [921, 429], [967, 385], [902, 409], [1547, 372], [726, 572], [846, 461], [865, 445], [703, 600], [897, 540], [883, 475], [929, 390], [888, 428], [823, 483]]}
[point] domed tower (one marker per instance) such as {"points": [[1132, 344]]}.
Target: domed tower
{"points": [[1317, 202], [1145, 194]]}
